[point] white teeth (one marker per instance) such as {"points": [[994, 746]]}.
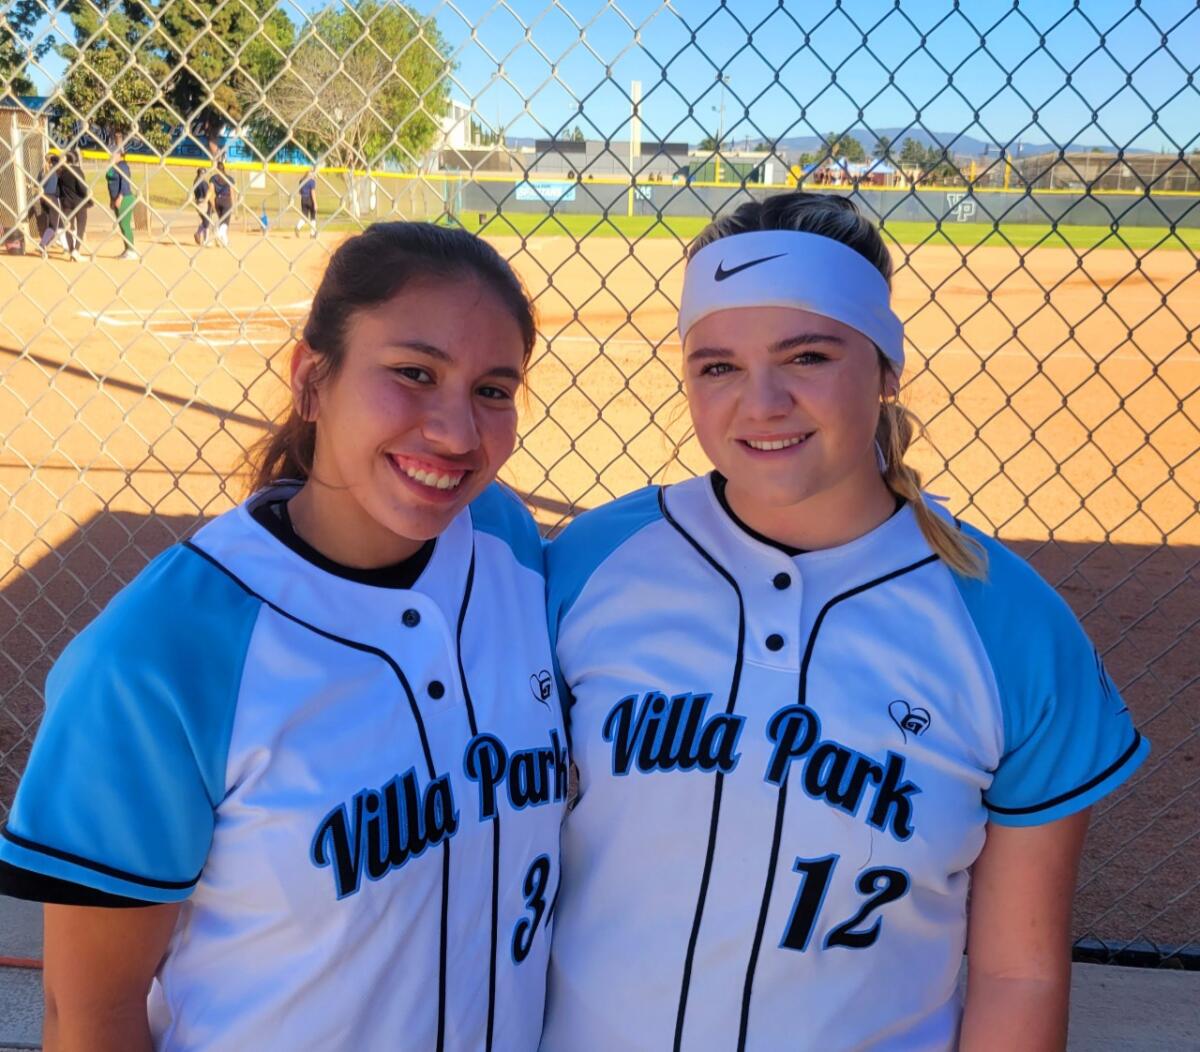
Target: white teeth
{"points": [[783, 443], [432, 478]]}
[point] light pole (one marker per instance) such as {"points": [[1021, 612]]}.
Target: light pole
{"points": [[722, 80]]}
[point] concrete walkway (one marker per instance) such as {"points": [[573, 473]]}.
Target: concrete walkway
{"points": [[1112, 1009]]}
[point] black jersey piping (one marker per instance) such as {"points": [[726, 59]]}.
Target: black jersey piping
{"points": [[781, 801], [718, 483], [1091, 783], [468, 589], [718, 779], [97, 867], [366, 648]]}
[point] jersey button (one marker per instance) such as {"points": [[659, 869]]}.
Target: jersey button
{"points": [[436, 690], [774, 641], [782, 581], [411, 618]]}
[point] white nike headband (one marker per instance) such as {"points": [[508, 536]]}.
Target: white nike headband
{"points": [[786, 268]]}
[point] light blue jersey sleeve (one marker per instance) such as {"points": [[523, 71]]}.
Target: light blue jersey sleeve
{"points": [[129, 763], [1068, 737], [498, 511], [581, 548]]}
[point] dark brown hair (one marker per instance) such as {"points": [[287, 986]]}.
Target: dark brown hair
{"points": [[833, 216], [366, 271]]}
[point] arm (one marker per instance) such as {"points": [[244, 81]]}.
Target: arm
{"points": [[98, 966], [1018, 941]]}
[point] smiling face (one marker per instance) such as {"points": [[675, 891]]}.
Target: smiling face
{"points": [[785, 403], [414, 425]]}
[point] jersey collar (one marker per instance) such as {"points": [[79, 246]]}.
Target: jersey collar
{"points": [[346, 608]]}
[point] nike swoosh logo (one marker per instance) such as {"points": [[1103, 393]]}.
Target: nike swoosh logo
{"points": [[722, 273]]}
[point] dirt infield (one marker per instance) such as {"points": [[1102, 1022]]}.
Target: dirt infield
{"points": [[1062, 396]]}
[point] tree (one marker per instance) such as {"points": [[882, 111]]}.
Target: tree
{"points": [[709, 144], [222, 55], [16, 36], [912, 154], [883, 148], [577, 134], [481, 136], [365, 84], [111, 86], [845, 146]]}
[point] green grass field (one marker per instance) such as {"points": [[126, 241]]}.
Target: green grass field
{"points": [[684, 228], [168, 191]]}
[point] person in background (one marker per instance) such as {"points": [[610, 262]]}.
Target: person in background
{"points": [[308, 202], [74, 198], [202, 200], [121, 198], [223, 197], [51, 211]]}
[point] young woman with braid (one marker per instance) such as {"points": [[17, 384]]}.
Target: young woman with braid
{"points": [[809, 708]]}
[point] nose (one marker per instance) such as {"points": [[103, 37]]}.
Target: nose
{"points": [[450, 424], [765, 396]]}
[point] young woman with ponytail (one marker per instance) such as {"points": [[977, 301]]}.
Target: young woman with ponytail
{"points": [[809, 708], [264, 808]]}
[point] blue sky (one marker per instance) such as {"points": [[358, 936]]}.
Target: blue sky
{"points": [[860, 54]]}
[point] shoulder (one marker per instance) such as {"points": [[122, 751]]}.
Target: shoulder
{"points": [[1038, 651], [179, 611], [500, 513], [1013, 598], [575, 555]]}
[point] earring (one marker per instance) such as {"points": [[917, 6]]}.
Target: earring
{"points": [[880, 459]]}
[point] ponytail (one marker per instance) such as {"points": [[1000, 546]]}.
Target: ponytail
{"points": [[897, 428], [284, 453]]}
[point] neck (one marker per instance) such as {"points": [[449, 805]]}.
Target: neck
{"points": [[334, 523], [826, 519]]}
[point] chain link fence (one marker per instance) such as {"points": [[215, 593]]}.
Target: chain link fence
{"points": [[1031, 166]]}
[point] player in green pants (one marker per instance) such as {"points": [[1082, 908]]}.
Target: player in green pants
{"points": [[121, 197]]}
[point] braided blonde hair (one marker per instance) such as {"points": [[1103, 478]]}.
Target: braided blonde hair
{"points": [[897, 428], [839, 218]]}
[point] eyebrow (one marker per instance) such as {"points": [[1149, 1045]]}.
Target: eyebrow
{"points": [[806, 339], [503, 372]]}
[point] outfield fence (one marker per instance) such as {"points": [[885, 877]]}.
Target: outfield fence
{"points": [[1060, 384]]}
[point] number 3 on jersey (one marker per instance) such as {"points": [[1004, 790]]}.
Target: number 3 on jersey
{"points": [[880, 885], [534, 889]]}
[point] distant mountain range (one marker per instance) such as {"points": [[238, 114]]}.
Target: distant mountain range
{"points": [[957, 141], [960, 143]]}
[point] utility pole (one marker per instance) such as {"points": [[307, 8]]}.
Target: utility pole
{"points": [[635, 138], [722, 80]]}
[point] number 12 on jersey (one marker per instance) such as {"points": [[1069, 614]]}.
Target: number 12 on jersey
{"points": [[880, 885]]}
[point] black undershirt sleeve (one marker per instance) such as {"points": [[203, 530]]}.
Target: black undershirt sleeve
{"points": [[20, 883]]}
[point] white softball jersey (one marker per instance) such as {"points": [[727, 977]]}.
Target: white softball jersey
{"points": [[355, 791], [787, 764]]}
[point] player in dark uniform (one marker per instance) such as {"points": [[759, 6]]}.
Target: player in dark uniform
{"points": [[223, 192], [202, 201], [308, 203]]}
